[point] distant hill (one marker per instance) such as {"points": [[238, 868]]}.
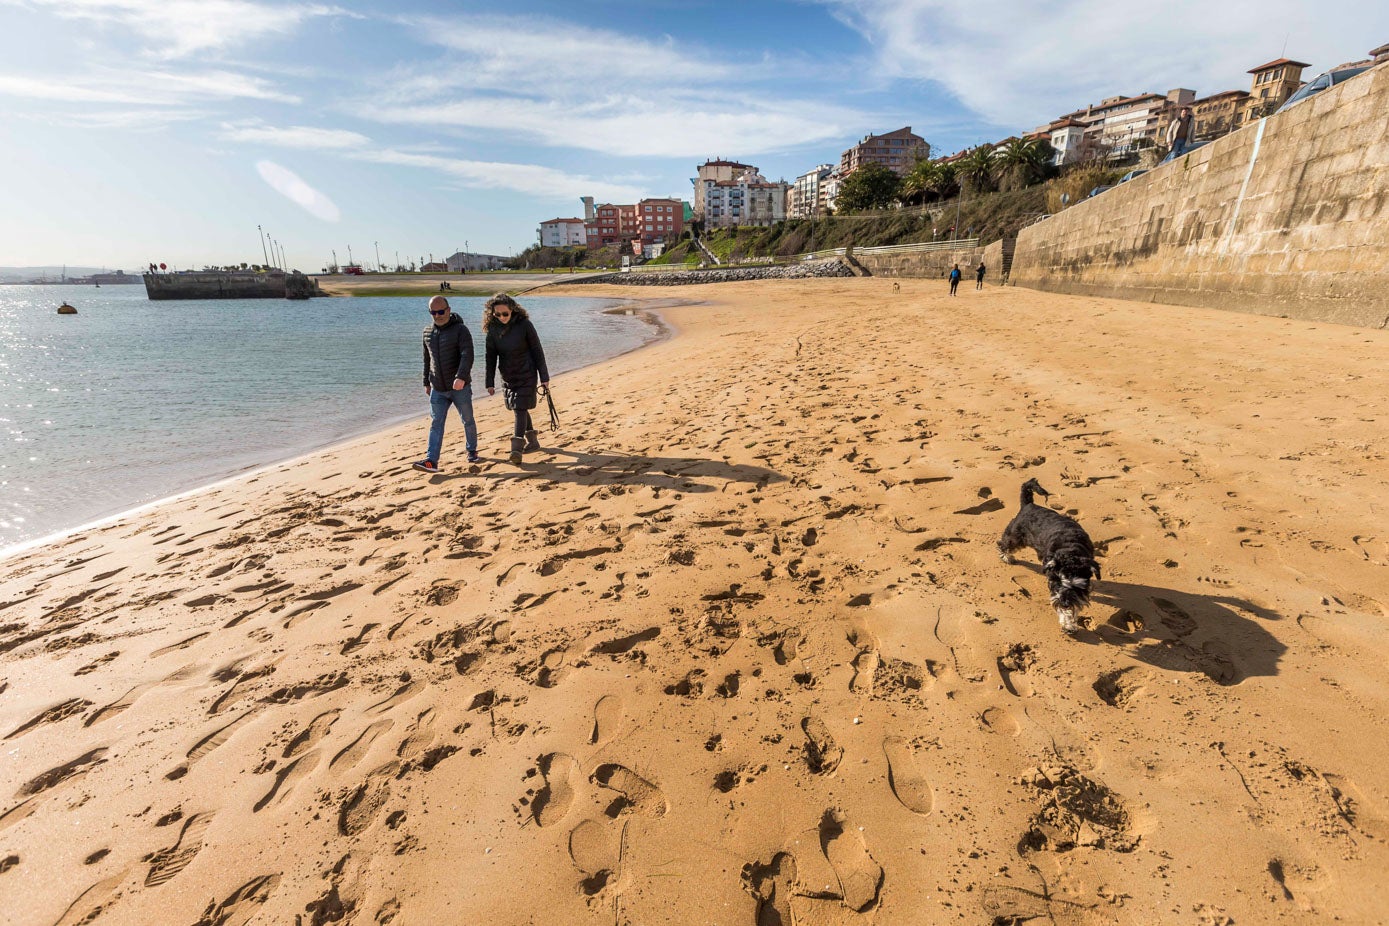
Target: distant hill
{"points": [[23, 274]]}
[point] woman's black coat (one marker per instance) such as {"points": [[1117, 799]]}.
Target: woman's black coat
{"points": [[516, 348]]}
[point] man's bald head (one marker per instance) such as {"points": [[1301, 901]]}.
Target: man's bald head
{"points": [[438, 302], [439, 308]]}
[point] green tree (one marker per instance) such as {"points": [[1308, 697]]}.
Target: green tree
{"points": [[872, 186], [1024, 161], [977, 169]]}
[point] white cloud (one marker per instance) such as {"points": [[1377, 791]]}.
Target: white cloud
{"points": [[564, 85], [289, 185], [178, 28], [294, 136], [514, 53], [673, 125], [530, 179], [1020, 63], [150, 88]]}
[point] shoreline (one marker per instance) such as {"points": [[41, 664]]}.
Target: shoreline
{"points": [[738, 642], [648, 314]]}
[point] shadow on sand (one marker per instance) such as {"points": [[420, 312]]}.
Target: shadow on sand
{"points": [[676, 474], [1181, 632]]}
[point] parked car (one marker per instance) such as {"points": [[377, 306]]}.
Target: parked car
{"points": [[1138, 172], [1324, 82], [1097, 191]]}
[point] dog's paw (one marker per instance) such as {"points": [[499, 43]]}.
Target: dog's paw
{"points": [[1008, 558], [1069, 623]]}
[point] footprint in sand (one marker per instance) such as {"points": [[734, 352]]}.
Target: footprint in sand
{"points": [[607, 716], [361, 808], [1364, 814], [285, 780], [418, 737], [353, 753], [859, 876], [315, 731], [637, 794], [552, 802], [771, 885], [166, 863], [865, 662], [822, 753], [241, 905], [596, 850], [905, 778], [92, 902], [999, 720]]}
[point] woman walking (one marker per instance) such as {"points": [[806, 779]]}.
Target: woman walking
{"points": [[513, 345]]}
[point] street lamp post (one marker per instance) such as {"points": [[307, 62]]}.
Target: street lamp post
{"points": [[378, 255], [264, 256]]}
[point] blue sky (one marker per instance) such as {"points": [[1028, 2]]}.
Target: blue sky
{"points": [[167, 130]]}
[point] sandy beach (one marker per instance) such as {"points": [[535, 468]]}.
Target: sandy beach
{"points": [[738, 648]]}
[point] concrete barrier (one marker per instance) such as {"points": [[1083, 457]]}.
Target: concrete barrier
{"points": [[1288, 216]]}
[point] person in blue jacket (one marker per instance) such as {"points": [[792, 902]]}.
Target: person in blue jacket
{"points": [[954, 279]]}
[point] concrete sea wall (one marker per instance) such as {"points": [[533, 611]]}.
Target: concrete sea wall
{"points": [[920, 263], [1289, 216]]}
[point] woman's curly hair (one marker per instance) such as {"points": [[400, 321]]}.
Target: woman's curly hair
{"points": [[489, 310]]}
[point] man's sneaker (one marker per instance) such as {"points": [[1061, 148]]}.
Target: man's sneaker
{"points": [[474, 457], [427, 466]]}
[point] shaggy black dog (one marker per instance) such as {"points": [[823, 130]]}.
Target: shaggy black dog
{"points": [[1065, 551]]}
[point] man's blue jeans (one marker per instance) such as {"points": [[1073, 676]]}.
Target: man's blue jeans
{"points": [[439, 402]]}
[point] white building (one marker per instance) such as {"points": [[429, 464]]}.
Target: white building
{"points": [[563, 233], [829, 192], [747, 199], [471, 263], [805, 198]]}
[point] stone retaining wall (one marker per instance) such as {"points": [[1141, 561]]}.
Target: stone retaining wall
{"points": [[1289, 216], [920, 263]]}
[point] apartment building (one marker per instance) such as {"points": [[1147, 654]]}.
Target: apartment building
{"points": [[563, 233], [658, 221], [746, 199], [898, 151], [717, 171], [1272, 84], [805, 196]]}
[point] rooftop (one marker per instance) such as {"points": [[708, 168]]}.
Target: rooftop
{"points": [[1276, 62]]}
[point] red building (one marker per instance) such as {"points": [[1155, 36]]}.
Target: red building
{"points": [[651, 221]]}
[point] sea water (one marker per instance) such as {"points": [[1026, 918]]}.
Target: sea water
{"points": [[130, 400]]}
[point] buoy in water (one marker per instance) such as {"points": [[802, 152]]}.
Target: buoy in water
{"points": [[66, 309]]}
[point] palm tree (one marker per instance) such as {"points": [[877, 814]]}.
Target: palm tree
{"points": [[1024, 161], [943, 180], [916, 185], [977, 168]]}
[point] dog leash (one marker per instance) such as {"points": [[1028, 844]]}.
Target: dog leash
{"points": [[554, 415]]}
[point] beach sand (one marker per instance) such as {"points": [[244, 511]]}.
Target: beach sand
{"points": [[740, 648]]}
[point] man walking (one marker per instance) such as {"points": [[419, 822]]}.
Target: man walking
{"points": [[1179, 133], [448, 380], [954, 279], [979, 276]]}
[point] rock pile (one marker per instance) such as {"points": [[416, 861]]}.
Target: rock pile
{"points": [[822, 268]]}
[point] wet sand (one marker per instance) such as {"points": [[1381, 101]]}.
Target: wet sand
{"points": [[739, 648]]}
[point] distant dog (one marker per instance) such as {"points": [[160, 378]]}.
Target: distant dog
{"points": [[896, 287], [1062, 546]]}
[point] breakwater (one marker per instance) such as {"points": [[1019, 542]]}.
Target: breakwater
{"points": [[807, 270]]}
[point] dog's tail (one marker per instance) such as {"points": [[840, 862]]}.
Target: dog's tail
{"points": [[1028, 488]]}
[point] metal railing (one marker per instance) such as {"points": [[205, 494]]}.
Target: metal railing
{"points": [[956, 245]]}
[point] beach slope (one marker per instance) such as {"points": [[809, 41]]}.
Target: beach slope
{"points": [[739, 647]]}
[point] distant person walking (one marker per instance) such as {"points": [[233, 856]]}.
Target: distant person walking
{"points": [[979, 276], [955, 279], [1179, 133], [448, 380], [514, 348]]}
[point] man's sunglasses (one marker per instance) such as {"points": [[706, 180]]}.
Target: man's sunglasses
{"points": [[438, 311]]}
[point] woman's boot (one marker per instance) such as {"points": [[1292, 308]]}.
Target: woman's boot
{"points": [[517, 445], [532, 441]]}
